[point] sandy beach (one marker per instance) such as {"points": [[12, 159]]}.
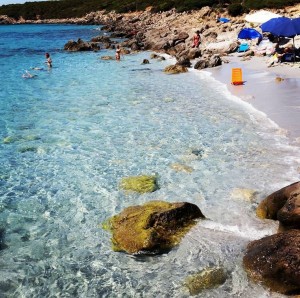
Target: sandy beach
{"points": [[271, 90]]}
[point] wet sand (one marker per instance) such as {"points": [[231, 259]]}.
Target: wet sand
{"points": [[274, 91]]}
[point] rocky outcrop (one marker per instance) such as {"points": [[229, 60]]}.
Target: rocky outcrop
{"points": [[5, 20], [275, 261], [153, 227], [105, 41], [80, 45], [282, 205]]}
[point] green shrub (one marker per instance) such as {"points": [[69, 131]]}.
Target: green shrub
{"points": [[235, 9]]}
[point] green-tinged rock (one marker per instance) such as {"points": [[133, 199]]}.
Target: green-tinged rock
{"points": [[31, 138], [141, 184], [28, 149], [153, 227], [13, 139], [10, 139], [175, 69], [206, 279]]}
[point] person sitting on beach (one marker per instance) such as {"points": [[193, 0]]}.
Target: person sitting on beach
{"points": [[276, 58], [48, 60], [196, 39], [118, 53]]}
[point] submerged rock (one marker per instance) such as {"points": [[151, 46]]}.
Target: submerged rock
{"points": [[107, 58], [154, 227], [2, 239], [141, 184], [175, 69], [181, 168], [206, 279], [275, 262]]}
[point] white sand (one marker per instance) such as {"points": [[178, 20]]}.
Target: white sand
{"points": [[274, 91]]}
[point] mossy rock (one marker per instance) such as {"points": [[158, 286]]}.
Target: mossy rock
{"points": [[140, 184], [13, 139], [175, 69], [205, 279], [10, 139], [154, 227]]}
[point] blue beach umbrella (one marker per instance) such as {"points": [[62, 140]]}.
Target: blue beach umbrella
{"points": [[282, 27], [249, 33]]}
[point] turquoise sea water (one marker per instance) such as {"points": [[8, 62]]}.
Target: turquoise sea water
{"points": [[67, 137]]}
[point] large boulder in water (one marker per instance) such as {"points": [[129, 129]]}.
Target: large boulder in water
{"points": [[153, 227], [269, 207], [274, 261]]}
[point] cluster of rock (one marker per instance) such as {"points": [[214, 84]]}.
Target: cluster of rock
{"points": [[5, 20], [275, 260], [171, 33], [167, 32], [157, 226]]}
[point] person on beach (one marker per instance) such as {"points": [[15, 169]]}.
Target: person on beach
{"points": [[48, 60], [196, 39], [118, 53], [276, 58]]}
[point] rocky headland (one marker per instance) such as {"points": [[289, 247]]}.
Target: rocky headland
{"points": [[168, 32]]}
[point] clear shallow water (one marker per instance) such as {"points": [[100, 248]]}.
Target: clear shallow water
{"points": [[70, 134]]}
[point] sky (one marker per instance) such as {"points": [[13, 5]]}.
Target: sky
{"points": [[5, 2]]}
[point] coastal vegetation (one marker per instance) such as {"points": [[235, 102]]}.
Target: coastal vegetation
{"points": [[77, 8]]}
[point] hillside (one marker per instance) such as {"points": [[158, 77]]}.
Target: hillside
{"points": [[78, 8]]}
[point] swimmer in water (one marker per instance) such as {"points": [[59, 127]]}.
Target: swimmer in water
{"points": [[28, 75], [48, 60]]}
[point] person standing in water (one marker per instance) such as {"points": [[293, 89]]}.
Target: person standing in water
{"points": [[118, 53], [48, 60]]}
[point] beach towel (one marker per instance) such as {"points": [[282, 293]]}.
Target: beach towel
{"points": [[243, 47]]}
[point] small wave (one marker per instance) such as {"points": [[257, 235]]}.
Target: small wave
{"points": [[244, 231]]}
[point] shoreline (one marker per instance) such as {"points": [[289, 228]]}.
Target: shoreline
{"points": [[273, 91]]}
